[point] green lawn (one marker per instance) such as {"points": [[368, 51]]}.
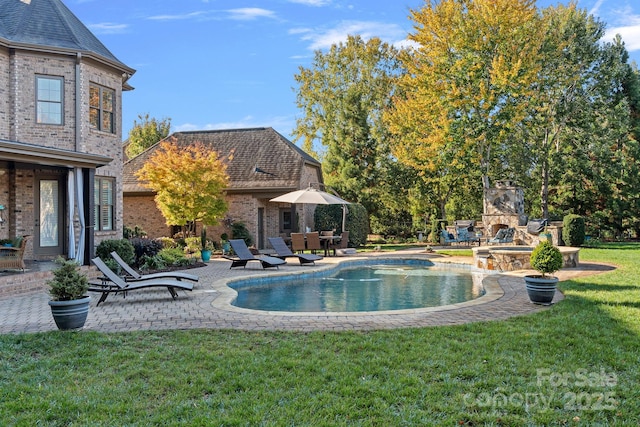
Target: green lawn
{"points": [[575, 364]]}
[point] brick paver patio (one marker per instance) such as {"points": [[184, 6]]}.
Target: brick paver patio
{"points": [[207, 307]]}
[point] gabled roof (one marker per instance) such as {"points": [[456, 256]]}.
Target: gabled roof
{"points": [[258, 159], [39, 24]]}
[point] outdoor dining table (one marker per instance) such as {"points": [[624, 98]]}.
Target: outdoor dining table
{"points": [[326, 242]]}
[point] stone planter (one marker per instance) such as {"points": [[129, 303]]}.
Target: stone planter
{"points": [[541, 290]]}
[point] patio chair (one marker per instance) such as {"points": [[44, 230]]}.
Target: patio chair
{"points": [[283, 252], [133, 275], [297, 242], [313, 243], [11, 257], [244, 255], [504, 235], [343, 243], [447, 238], [110, 282], [463, 235]]}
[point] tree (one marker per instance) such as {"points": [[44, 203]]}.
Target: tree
{"points": [[146, 133], [465, 82], [189, 182], [343, 96]]}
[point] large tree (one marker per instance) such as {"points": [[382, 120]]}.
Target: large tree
{"points": [[145, 133], [342, 97], [473, 63], [189, 183]]}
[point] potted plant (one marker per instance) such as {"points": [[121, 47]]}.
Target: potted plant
{"points": [[205, 247], [6, 242], [546, 259], [69, 300]]}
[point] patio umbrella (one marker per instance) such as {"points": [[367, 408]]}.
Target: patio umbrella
{"points": [[313, 196]]}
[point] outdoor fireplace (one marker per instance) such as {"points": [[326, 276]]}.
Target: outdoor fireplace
{"points": [[503, 207]]}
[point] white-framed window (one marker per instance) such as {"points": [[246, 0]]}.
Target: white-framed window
{"points": [[49, 100], [104, 203], [101, 108]]}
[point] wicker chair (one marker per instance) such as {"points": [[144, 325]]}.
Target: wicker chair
{"points": [[13, 257]]}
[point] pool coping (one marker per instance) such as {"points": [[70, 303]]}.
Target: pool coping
{"points": [[227, 294]]}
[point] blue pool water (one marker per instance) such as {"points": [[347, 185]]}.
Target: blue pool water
{"points": [[360, 288]]}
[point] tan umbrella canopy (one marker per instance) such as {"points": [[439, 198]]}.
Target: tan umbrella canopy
{"points": [[311, 196], [314, 196]]}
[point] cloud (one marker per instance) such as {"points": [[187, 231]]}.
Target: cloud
{"points": [[324, 39], [311, 2], [183, 16], [108, 28], [283, 124], [250, 13], [627, 24]]}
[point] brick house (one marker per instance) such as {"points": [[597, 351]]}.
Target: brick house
{"points": [[60, 131], [264, 165]]}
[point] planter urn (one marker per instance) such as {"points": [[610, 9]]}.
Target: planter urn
{"points": [[70, 315], [541, 290]]}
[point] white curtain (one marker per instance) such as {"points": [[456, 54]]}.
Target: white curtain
{"points": [[80, 204], [70, 209]]}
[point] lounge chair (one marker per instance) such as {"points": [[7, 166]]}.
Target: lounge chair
{"points": [[244, 255], [447, 238], [504, 235], [133, 275], [110, 282], [283, 252]]}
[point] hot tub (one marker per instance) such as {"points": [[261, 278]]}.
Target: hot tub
{"points": [[510, 258]]}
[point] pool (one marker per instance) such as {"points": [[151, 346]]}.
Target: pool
{"points": [[361, 288]]}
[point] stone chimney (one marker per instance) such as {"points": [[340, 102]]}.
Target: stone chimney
{"points": [[503, 207]]}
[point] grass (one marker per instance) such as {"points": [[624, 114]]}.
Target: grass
{"points": [[575, 364]]}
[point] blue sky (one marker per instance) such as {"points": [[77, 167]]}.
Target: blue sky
{"points": [[220, 64]]}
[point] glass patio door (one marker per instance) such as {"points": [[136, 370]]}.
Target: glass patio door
{"points": [[49, 217]]}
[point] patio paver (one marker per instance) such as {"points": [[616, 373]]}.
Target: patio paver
{"points": [[206, 307]]}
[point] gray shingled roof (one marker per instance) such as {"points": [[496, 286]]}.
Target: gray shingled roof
{"points": [[48, 23], [262, 159]]}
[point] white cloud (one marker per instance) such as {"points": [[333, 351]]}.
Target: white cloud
{"points": [[627, 24], [108, 28], [250, 13], [177, 17], [282, 124], [324, 39], [311, 2]]}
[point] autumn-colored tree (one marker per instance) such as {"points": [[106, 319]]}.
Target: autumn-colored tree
{"points": [[473, 63], [145, 133], [189, 182]]}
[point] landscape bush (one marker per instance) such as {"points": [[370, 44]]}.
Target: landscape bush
{"points": [[329, 217], [123, 247], [573, 230]]}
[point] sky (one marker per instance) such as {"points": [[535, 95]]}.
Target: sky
{"points": [[223, 64]]}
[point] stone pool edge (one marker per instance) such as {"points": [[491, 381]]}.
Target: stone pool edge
{"points": [[226, 294]]}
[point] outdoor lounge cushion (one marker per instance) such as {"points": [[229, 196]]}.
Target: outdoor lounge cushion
{"points": [[535, 226]]}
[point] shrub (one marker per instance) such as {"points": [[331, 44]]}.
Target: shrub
{"points": [[130, 233], [67, 283], [151, 263], [171, 256], [573, 230], [145, 248], [123, 247], [546, 258], [168, 242], [329, 217], [240, 231]]}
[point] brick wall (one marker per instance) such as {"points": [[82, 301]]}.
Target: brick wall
{"points": [[4, 93]]}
